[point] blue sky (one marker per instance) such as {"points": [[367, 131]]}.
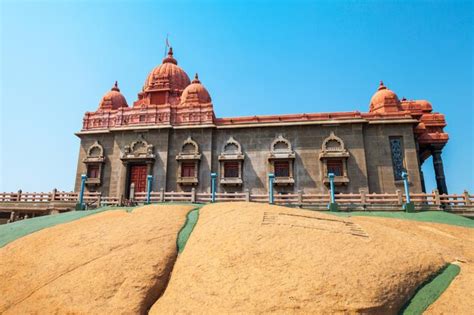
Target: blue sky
{"points": [[255, 57]]}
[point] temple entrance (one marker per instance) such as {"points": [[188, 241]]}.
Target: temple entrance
{"points": [[138, 173]]}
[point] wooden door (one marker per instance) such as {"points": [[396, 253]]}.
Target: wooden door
{"points": [[138, 175]]}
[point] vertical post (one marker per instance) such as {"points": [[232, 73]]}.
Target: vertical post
{"points": [[193, 195], [399, 197], [439, 170], [363, 197], [408, 206], [18, 195], [213, 187], [81, 194], [132, 192], [271, 178], [148, 191], [467, 200], [300, 198], [53, 194], [247, 195], [332, 205], [162, 195]]}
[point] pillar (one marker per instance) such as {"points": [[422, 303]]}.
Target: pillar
{"points": [[439, 170]]}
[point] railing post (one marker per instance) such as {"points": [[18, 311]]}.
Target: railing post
{"points": [[408, 206], [271, 177], [300, 198], [437, 199], [467, 200], [162, 195], [363, 197], [213, 187], [18, 195], [399, 197], [332, 206], [193, 195], [132, 192], [247, 195], [99, 199], [81, 194], [148, 190]]}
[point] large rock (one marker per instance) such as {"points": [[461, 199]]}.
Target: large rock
{"points": [[110, 263], [257, 258]]}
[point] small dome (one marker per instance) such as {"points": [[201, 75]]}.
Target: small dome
{"points": [[113, 99], [195, 93], [384, 98], [167, 75]]}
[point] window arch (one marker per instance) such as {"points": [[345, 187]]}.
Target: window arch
{"points": [[231, 163]]}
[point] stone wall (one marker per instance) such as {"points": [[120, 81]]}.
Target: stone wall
{"points": [[369, 165]]}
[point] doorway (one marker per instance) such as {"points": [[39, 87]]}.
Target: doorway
{"points": [[137, 175]]}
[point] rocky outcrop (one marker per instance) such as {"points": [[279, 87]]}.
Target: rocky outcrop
{"points": [[109, 263]]}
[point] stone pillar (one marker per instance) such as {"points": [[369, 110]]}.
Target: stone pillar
{"points": [[422, 178], [439, 170]]}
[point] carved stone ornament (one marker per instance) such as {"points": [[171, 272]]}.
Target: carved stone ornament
{"points": [[189, 150], [95, 153], [138, 150], [333, 146], [281, 149], [231, 150]]}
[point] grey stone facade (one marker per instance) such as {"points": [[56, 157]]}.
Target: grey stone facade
{"points": [[367, 156]]}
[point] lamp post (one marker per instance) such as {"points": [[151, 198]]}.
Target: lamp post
{"points": [[148, 192], [332, 205], [81, 194], [271, 178], [213, 187], [408, 206]]}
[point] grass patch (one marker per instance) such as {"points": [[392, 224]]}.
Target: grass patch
{"points": [[429, 292], [12, 231], [186, 230], [424, 216]]}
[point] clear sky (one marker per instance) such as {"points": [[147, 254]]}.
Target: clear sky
{"points": [[255, 57]]}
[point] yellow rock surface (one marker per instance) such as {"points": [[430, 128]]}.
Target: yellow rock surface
{"points": [[110, 263], [257, 258]]}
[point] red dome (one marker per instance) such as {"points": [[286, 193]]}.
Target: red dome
{"points": [[113, 99], [195, 93], [384, 100], [168, 75]]}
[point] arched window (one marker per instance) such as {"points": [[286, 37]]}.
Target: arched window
{"points": [[334, 160], [188, 163], [94, 161], [231, 161], [281, 161]]}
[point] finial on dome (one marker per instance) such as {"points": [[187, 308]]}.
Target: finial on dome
{"points": [[170, 58], [196, 79], [381, 86], [115, 87]]}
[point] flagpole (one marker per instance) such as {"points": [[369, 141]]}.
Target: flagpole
{"points": [[166, 46]]}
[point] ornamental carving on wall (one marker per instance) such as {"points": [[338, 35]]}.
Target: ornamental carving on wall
{"points": [[333, 144], [95, 153], [138, 149], [189, 150]]}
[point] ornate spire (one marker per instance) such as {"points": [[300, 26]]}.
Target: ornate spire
{"points": [[115, 87], [169, 58], [196, 79], [381, 86]]}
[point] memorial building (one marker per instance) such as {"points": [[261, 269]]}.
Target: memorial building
{"points": [[172, 133]]}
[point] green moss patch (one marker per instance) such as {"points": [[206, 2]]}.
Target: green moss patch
{"points": [[12, 231], [424, 216], [186, 230], [429, 292]]}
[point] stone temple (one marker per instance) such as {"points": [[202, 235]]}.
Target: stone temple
{"points": [[172, 133]]}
